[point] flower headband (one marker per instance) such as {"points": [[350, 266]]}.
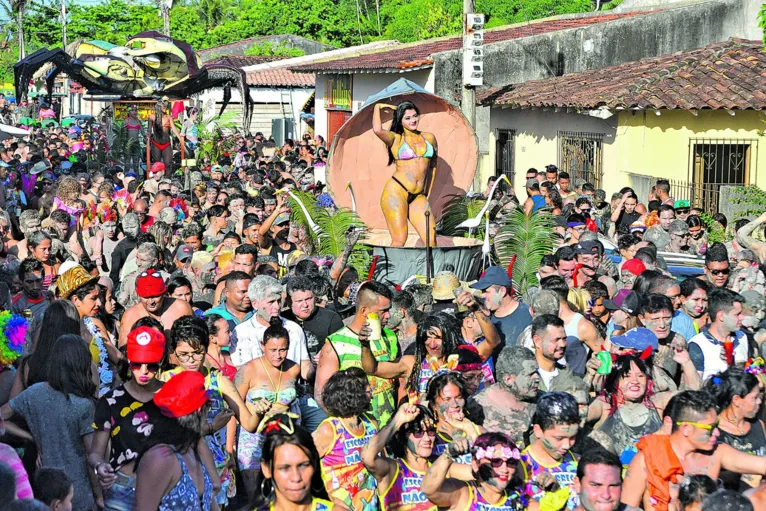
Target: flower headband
{"points": [[497, 452]]}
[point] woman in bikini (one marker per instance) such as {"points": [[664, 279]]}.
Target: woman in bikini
{"points": [[135, 130], [162, 124], [268, 382], [404, 195]]}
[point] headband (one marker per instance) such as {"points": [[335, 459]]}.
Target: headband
{"points": [[498, 452], [575, 224]]}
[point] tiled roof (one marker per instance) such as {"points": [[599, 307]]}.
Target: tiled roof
{"points": [[418, 55], [728, 75], [279, 77], [241, 60]]}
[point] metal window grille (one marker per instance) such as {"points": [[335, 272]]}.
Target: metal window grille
{"points": [[581, 155], [714, 163], [505, 143]]}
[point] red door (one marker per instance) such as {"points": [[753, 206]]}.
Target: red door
{"points": [[335, 119]]}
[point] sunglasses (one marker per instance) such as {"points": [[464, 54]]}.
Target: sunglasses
{"points": [[719, 272], [499, 462], [682, 211], [418, 433], [153, 368], [706, 427]]}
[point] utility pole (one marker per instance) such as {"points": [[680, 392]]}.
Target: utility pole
{"points": [[473, 61], [65, 98], [468, 95], [63, 23]]}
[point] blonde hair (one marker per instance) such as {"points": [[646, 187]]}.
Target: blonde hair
{"points": [[225, 259], [578, 298], [200, 259]]}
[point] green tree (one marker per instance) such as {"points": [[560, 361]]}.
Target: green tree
{"points": [[268, 49]]}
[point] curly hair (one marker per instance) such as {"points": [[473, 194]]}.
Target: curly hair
{"points": [[345, 395], [69, 190]]}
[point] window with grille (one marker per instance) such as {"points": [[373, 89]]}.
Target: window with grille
{"points": [[714, 163], [504, 152], [581, 155]]}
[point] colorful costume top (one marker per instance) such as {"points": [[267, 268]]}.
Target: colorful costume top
{"points": [[512, 502], [564, 473], [440, 445], [404, 494], [344, 475]]}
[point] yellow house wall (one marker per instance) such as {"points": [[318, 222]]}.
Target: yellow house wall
{"points": [[536, 142], [633, 142], [658, 146]]}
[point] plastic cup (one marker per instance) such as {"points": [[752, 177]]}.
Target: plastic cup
{"points": [[606, 362]]}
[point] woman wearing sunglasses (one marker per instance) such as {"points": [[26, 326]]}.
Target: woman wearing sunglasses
{"points": [[127, 417], [498, 477], [410, 436]]}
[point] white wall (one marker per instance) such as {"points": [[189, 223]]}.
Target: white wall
{"points": [[294, 97], [536, 141]]}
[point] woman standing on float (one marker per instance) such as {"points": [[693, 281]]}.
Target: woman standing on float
{"points": [[404, 195]]}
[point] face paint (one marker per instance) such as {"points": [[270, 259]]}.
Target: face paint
{"points": [[551, 449]]}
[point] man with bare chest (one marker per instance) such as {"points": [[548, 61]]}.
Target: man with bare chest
{"points": [[154, 302], [508, 407], [692, 447]]}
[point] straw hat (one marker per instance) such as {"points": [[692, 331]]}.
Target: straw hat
{"points": [[73, 278], [444, 283]]}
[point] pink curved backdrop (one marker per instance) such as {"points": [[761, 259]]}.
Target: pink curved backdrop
{"points": [[357, 155]]}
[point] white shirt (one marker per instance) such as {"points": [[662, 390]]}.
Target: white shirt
{"points": [[547, 376], [248, 336]]}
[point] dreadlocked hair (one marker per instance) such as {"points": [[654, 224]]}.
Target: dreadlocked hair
{"points": [[449, 328]]}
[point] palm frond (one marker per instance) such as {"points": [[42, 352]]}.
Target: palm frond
{"points": [[530, 238], [297, 216], [457, 210], [333, 228]]}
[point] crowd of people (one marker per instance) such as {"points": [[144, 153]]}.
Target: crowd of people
{"points": [[187, 348]]}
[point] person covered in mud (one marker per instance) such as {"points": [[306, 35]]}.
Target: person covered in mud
{"points": [[508, 406]]}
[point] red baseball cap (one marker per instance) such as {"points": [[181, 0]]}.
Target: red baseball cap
{"points": [[184, 394], [157, 166], [146, 345], [634, 266], [150, 284]]}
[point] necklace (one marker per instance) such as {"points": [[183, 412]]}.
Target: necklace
{"points": [[215, 361], [733, 422], [271, 381]]}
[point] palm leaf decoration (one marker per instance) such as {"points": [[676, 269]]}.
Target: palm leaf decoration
{"points": [[529, 238], [121, 144], [457, 210], [333, 225]]}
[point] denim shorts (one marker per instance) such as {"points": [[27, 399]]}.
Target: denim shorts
{"points": [[122, 495]]}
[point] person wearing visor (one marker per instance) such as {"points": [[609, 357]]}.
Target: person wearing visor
{"points": [[153, 302]]}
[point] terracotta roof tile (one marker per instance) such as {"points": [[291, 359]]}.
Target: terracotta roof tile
{"points": [[241, 60], [279, 77], [721, 75], [417, 55]]}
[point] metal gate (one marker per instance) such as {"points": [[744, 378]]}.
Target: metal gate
{"points": [[504, 152], [581, 155]]}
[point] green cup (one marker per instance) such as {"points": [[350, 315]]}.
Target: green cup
{"points": [[606, 362]]}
